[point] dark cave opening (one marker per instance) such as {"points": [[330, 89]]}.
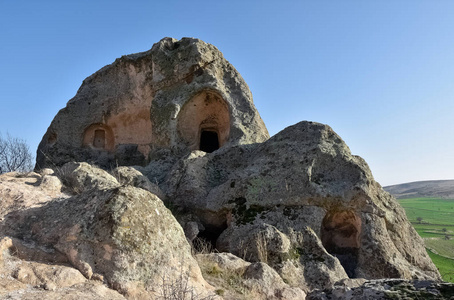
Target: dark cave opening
{"points": [[208, 237], [340, 235], [209, 141], [348, 257]]}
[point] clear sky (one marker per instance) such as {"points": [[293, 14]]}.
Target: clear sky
{"points": [[380, 73]]}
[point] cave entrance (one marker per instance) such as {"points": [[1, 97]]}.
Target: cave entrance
{"points": [[340, 235], [204, 122], [206, 239], [209, 141]]}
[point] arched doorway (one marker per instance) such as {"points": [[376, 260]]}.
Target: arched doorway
{"points": [[99, 137], [340, 234], [204, 122]]}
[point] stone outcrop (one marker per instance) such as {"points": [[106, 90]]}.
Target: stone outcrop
{"points": [[305, 203], [19, 191], [180, 95], [241, 279], [385, 289], [294, 214], [119, 234]]}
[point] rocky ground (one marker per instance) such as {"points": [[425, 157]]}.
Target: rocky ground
{"points": [[79, 243], [81, 232], [29, 271]]}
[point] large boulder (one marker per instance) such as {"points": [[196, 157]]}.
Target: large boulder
{"points": [[180, 95], [120, 234], [303, 201], [83, 177]]}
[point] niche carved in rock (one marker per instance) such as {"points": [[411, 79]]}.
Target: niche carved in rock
{"points": [[99, 137], [204, 122]]}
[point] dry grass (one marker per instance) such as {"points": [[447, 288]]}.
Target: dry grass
{"points": [[261, 245], [202, 246], [179, 288], [229, 283]]}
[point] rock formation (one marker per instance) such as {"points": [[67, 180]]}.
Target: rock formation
{"points": [[118, 234], [180, 95], [293, 215], [305, 203], [385, 289]]}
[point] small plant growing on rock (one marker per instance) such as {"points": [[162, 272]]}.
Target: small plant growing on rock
{"points": [[64, 174], [262, 250], [179, 288], [230, 282], [202, 246]]}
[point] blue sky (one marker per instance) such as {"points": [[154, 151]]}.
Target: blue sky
{"points": [[380, 73]]}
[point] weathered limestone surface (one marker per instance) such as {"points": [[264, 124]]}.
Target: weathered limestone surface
{"points": [[308, 201], [162, 98], [119, 234], [250, 280], [19, 191], [385, 289]]}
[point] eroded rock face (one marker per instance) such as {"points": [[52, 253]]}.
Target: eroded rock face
{"points": [[180, 95], [385, 289], [302, 196], [245, 280], [120, 234]]}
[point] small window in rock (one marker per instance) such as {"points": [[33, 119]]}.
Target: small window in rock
{"points": [[209, 141], [99, 140]]}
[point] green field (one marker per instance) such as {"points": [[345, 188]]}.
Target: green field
{"points": [[431, 210], [427, 230], [433, 219], [444, 265], [441, 247]]}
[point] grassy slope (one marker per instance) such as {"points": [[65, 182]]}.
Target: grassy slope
{"points": [[431, 210], [437, 223], [444, 265]]}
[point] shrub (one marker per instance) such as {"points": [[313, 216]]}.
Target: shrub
{"points": [[179, 288], [14, 155]]}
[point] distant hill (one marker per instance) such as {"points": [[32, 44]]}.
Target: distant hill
{"points": [[431, 188]]}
